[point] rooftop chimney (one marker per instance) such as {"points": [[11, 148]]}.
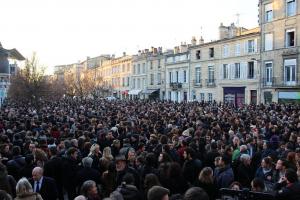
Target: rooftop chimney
{"points": [[194, 41], [201, 41]]}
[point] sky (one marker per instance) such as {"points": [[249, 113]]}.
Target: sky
{"points": [[67, 31]]}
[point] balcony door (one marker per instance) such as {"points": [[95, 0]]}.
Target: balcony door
{"points": [[290, 72], [269, 74]]}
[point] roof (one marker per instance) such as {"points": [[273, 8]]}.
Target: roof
{"points": [[12, 53]]}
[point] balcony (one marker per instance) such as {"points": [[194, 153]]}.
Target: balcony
{"points": [[197, 83], [278, 82], [175, 86], [210, 83]]}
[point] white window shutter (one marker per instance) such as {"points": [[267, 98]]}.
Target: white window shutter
{"points": [[221, 72], [246, 47], [232, 71], [244, 70], [255, 46], [255, 69]]}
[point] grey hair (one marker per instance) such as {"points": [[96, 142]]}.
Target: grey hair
{"points": [[86, 186], [87, 162], [23, 186], [244, 157]]}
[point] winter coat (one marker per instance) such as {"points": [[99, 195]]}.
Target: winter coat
{"points": [[29, 196], [224, 177]]}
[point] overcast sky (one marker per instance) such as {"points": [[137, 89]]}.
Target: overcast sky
{"points": [[65, 31]]}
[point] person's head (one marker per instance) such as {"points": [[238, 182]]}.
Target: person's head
{"points": [[53, 150], [131, 155], [217, 161], [16, 150], [257, 185], [291, 176], [224, 161], [195, 193], [116, 143], [245, 159], [89, 188], [189, 153], [128, 179], [236, 186], [95, 149], [37, 173], [281, 165], [164, 157], [4, 195], [120, 163], [158, 193], [266, 163], [107, 152], [151, 180], [23, 187], [31, 147], [87, 162], [72, 153], [206, 175]]}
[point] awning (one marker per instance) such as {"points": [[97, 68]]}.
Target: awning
{"points": [[149, 91], [125, 92], [134, 92]]}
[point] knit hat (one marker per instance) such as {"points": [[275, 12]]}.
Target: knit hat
{"points": [[157, 193]]}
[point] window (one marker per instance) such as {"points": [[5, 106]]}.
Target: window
{"points": [[210, 97], [202, 97], [290, 71], [151, 79], [225, 71], [184, 76], [225, 51], [237, 70], [194, 94], [198, 75], [269, 73], [128, 67], [290, 8], [158, 64], [268, 12], [268, 41], [151, 65], [170, 95], [139, 69], [123, 68], [250, 70], [211, 74], [198, 54], [144, 68], [133, 83], [170, 77], [251, 46], [177, 76], [158, 78], [237, 49], [128, 81], [290, 38], [211, 52]]}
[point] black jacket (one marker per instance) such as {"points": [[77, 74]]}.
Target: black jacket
{"points": [[48, 189], [289, 192], [85, 174]]}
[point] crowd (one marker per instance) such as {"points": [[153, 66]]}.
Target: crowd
{"points": [[147, 150]]}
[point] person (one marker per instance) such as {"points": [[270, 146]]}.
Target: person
{"points": [[258, 185], [25, 192], [244, 171], [7, 182], [288, 187], [89, 190], [95, 154], [192, 166], [150, 181], [87, 173], [15, 165], [224, 176], [43, 185], [195, 193], [265, 171], [158, 193], [176, 183], [206, 182], [53, 169], [4, 195], [280, 168], [127, 188]]}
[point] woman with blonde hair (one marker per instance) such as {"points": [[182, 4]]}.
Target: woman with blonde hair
{"points": [[25, 191], [95, 154], [206, 181], [106, 159]]}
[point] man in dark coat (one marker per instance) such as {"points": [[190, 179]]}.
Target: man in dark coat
{"points": [[53, 169], [43, 185], [288, 186], [15, 165], [191, 166], [87, 173], [244, 171]]}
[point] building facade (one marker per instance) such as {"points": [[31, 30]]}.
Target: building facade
{"points": [[226, 70], [280, 33]]}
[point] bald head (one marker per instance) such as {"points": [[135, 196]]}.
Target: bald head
{"points": [[37, 173]]}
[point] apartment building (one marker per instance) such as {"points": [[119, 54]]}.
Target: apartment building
{"points": [[226, 70], [280, 33], [139, 75], [177, 74]]}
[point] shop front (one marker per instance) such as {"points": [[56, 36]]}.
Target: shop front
{"points": [[289, 97], [234, 95]]}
